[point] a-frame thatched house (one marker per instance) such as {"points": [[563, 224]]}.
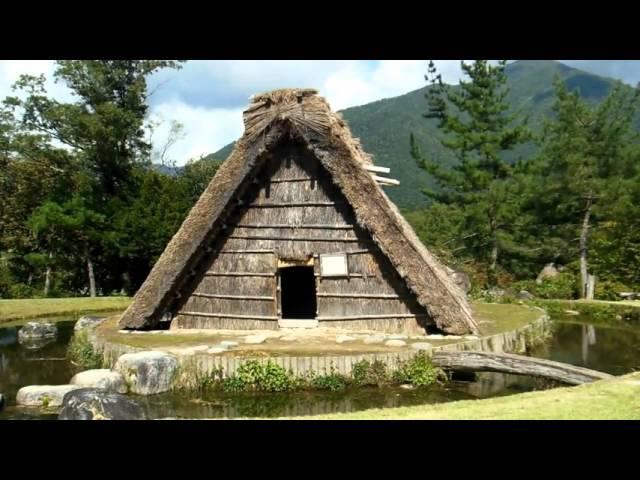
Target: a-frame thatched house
{"points": [[295, 231]]}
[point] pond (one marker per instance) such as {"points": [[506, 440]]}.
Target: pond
{"points": [[608, 346]]}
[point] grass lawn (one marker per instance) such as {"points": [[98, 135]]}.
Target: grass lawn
{"points": [[42, 307], [631, 303], [614, 399], [495, 318]]}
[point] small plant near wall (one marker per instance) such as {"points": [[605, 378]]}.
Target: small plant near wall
{"points": [[81, 352], [333, 381], [258, 376], [419, 372], [254, 375], [370, 373]]}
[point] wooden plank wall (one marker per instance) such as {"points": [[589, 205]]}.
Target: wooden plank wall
{"points": [[293, 212]]}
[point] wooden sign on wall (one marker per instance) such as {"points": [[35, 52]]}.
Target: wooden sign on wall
{"points": [[334, 265]]}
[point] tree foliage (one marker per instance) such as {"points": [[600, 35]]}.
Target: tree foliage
{"points": [[583, 181], [478, 130], [82, 200], [572, 203]]}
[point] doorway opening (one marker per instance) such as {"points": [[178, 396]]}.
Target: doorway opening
{"points": [[298, 292]]}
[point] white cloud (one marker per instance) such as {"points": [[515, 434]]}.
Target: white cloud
{"points": [[344, 83], [206, 130], [10, 71], [357, 85], [208, 96]]}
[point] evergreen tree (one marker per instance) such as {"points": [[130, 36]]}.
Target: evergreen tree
{"points": [[478, 129], [588, 154]]}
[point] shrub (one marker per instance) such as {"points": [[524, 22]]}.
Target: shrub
{"points": [[419, 371], [610, 290], [253, 375], [81, 352], [366, 373], [275, 378], [332, 381], [233, 384], [528, 285], [22, 290], [564, 287]]}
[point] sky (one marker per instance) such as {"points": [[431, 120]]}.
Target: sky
{"points": [[208, 96]]}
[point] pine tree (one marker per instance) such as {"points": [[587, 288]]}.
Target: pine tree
{"points": [[587, 154], [478, 128]]}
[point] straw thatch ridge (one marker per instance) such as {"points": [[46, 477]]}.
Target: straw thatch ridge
{"points": [[271, 118]]}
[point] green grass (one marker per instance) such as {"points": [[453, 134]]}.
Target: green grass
{"points": [[503, 317], [630, 303], [42, 307], [615, 399]]}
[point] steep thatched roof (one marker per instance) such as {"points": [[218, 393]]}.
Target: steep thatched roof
{"points": [[271, 118]]}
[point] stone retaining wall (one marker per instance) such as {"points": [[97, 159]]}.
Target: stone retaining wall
{"points": [[514, 341]]}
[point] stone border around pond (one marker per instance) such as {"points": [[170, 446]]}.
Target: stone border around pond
{"points": [[515, 341]]}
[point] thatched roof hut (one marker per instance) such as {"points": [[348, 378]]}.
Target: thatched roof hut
{"points": [[295, 230]]}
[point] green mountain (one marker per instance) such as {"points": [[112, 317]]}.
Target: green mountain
{"points": [[384, 126]]}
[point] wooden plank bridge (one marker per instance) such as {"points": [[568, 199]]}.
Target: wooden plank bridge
{"points": [[477, 361]]}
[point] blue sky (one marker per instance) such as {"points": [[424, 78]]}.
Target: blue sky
{"points": [[208, 96]]}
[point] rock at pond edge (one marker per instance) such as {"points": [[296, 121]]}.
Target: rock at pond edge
{"points": [[99, 404]]}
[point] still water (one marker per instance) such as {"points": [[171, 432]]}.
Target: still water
{"points": [[611, 347]]}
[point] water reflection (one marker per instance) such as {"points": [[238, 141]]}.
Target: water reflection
{"points": [[8, 336], [612, 348], [588, 338], [36, 343], [267, 405], [608, 347], [22, 364]]}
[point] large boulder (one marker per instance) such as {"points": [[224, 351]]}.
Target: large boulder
{"points": [[147, 373], [462, 280], [87, 323], [99, 404], [34, 331], [102, 378], [549, 271], [524, 295], [43, 395]]}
